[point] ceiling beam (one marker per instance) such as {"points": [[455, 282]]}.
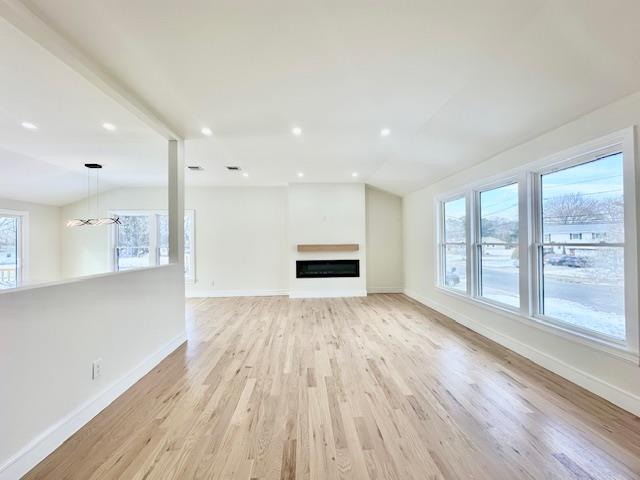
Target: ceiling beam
{"points": [[33, 26]]}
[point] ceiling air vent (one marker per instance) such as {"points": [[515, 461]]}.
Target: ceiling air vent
{"points": [[195, 168], [233, 169]]}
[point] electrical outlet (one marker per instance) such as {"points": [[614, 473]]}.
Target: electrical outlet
{"points": [[96, 369]]}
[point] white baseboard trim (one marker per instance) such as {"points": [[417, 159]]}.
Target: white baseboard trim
{"points": [[45, 443], [385, 290], [233, 293], [327, 293], [623, 399], [299, 294]]}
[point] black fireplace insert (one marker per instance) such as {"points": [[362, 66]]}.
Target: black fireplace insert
{"points": [[327, 268]]}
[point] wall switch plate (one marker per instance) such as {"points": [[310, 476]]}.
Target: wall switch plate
{"points": [[96, 369]]}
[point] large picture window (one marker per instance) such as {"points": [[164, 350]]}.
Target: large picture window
{"points": [[454, 246], [582, 256], [11, 249], [142, 240], [497, 250], [554, 242]]}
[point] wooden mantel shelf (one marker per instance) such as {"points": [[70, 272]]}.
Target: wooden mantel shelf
{"points": [[329, 247]]}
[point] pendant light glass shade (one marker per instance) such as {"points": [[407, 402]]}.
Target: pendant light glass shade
{"points": [[93, 222]]}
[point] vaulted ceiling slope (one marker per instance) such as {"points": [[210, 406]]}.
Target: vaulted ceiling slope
{"points": [[455, 81], [46, 165]]}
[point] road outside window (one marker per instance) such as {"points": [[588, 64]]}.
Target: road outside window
{"points": [[498, 248]]}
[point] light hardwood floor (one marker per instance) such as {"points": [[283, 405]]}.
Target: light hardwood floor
{"points": [[376, 387]]}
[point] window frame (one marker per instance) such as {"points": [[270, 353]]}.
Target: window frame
{"points": [[523, 267], [442, 243], [530, 230], [154, 244], [538, 245], [22, 254]]}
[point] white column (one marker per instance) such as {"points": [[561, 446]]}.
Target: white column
{"points": [[176, 202]]}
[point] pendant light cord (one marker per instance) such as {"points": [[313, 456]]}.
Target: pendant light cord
{"points": [[88, 193], [98, 193]]}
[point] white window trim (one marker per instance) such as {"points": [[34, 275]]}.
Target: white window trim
{"points": [[476, 241], [153, 252], [538, 242], [441, 243], [528, 187], [22, 275]]}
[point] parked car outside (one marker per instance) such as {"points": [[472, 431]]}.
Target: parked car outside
{"points": [[572, 261], [575, 262], [553, 259]]}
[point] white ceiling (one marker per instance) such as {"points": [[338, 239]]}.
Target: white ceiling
{"points": [[47, 165], [455, 81]]}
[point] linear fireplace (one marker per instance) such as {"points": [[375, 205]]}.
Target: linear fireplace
{"points": [[327, 268]]}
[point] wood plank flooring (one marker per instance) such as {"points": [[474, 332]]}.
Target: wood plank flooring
{"points": [[364, 388]]}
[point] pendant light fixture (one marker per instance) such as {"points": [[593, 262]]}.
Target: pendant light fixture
{"points": [[97, 220]]}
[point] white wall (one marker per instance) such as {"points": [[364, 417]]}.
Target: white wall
{"points": [[49, 337], [51, 334], [606, 374], [384, 241], [241, 240], [240, 237], [327, 213], [44, 250], [242, 244]]}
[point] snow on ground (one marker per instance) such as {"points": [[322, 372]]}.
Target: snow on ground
{"points": [[495, 295], [576, 314], [589, 312]]}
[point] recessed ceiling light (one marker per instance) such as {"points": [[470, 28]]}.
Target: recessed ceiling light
{"points": [[297, 131], [29, 125], [385, 132], [300, 174], [109, 126], [354, 174], [206, 131], [245, 174]]}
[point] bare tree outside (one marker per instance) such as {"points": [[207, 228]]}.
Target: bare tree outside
{"points": [[579, 209], [569, 209], [7, 230]]}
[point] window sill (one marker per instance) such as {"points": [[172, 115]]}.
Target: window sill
{"points": [[616, 349]]}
